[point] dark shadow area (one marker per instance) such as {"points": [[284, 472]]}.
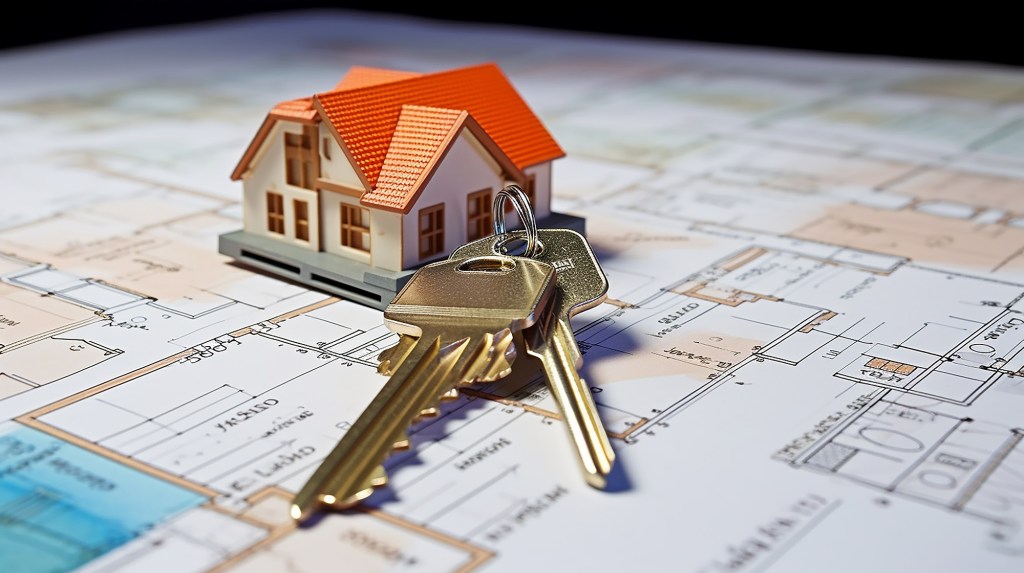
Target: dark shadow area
{"points": [[982, 32], [618, 479]]}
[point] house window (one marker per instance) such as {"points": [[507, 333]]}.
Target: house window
{"points": [[478, 215], [431, 230], [327, 148], [275, 212], [531, 192], [355, 227], [301, 219], [298, 156]]}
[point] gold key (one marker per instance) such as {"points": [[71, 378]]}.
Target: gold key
{"points": [[580, 285], [454, 318], [502, 355]]}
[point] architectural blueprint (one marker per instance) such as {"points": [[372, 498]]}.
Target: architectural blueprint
{"points": [[811, 358]]}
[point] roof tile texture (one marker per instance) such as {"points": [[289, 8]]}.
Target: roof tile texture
{"points": [[367, 117], [362, 76], [420, 136], [297, 109]]}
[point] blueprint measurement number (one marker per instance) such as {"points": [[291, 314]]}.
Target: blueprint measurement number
{"points": [[208, 349]]}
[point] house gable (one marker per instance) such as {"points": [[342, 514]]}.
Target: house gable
{"points": [[467, 166], [423, 135], [298, 110]]}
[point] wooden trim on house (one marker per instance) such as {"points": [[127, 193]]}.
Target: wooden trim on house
{"points": [[343, 189], [250, 152]]}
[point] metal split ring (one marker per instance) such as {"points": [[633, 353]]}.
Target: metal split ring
{"points": [[521, 203]]}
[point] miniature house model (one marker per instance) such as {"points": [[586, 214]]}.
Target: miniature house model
{"points": [[352, 189]]}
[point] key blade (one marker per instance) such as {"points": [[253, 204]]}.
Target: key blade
{"points": [[580, 285], [364, 446], [436, 380], [403, 404], [461, 315], [378, 478], [590, 440]]}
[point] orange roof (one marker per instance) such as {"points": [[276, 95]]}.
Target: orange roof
{"points": [[361, 77], [296, 109], [366, 117], [396, 125], [420, 136]]}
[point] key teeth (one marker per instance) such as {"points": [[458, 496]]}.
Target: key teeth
{"points": [[349, 502], [502, 354], [489, 359], [391, 358], [402, 443], [386, 356], [377, 479], [492, 359]]}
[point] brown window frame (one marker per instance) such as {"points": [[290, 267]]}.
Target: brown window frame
{"points": [[479, 217], [301, 210], [300, 157], [275, 213], [352, 229], [431, 235]]}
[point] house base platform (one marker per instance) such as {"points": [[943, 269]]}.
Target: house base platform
{"points": [[336, 275]]}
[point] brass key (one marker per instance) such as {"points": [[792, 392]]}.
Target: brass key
{"points": [[455, 316], [502, 355], [580, 285]]}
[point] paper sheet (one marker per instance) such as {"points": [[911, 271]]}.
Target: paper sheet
{"points": [[811, 356]]}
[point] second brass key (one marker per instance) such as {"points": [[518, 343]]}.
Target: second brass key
{"points": [[580, 285]]}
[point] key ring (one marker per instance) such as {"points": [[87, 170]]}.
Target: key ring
{"points": [[521, 203]]}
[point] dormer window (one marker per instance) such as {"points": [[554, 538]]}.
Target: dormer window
{"points": [[299, 152]]}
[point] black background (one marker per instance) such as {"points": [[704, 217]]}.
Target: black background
{"points": [[965, 31]]}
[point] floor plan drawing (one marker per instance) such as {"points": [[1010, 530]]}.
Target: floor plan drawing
{"points": [[812, 346]]}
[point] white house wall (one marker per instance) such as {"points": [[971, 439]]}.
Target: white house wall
{"points": [[334, 164], [466, 168], [264, 171], [385, 233], [542, 188], [267, 174], [386, 240]]}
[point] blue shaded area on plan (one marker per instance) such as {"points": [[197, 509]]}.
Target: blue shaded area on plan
{"points": [[62, 506]]}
